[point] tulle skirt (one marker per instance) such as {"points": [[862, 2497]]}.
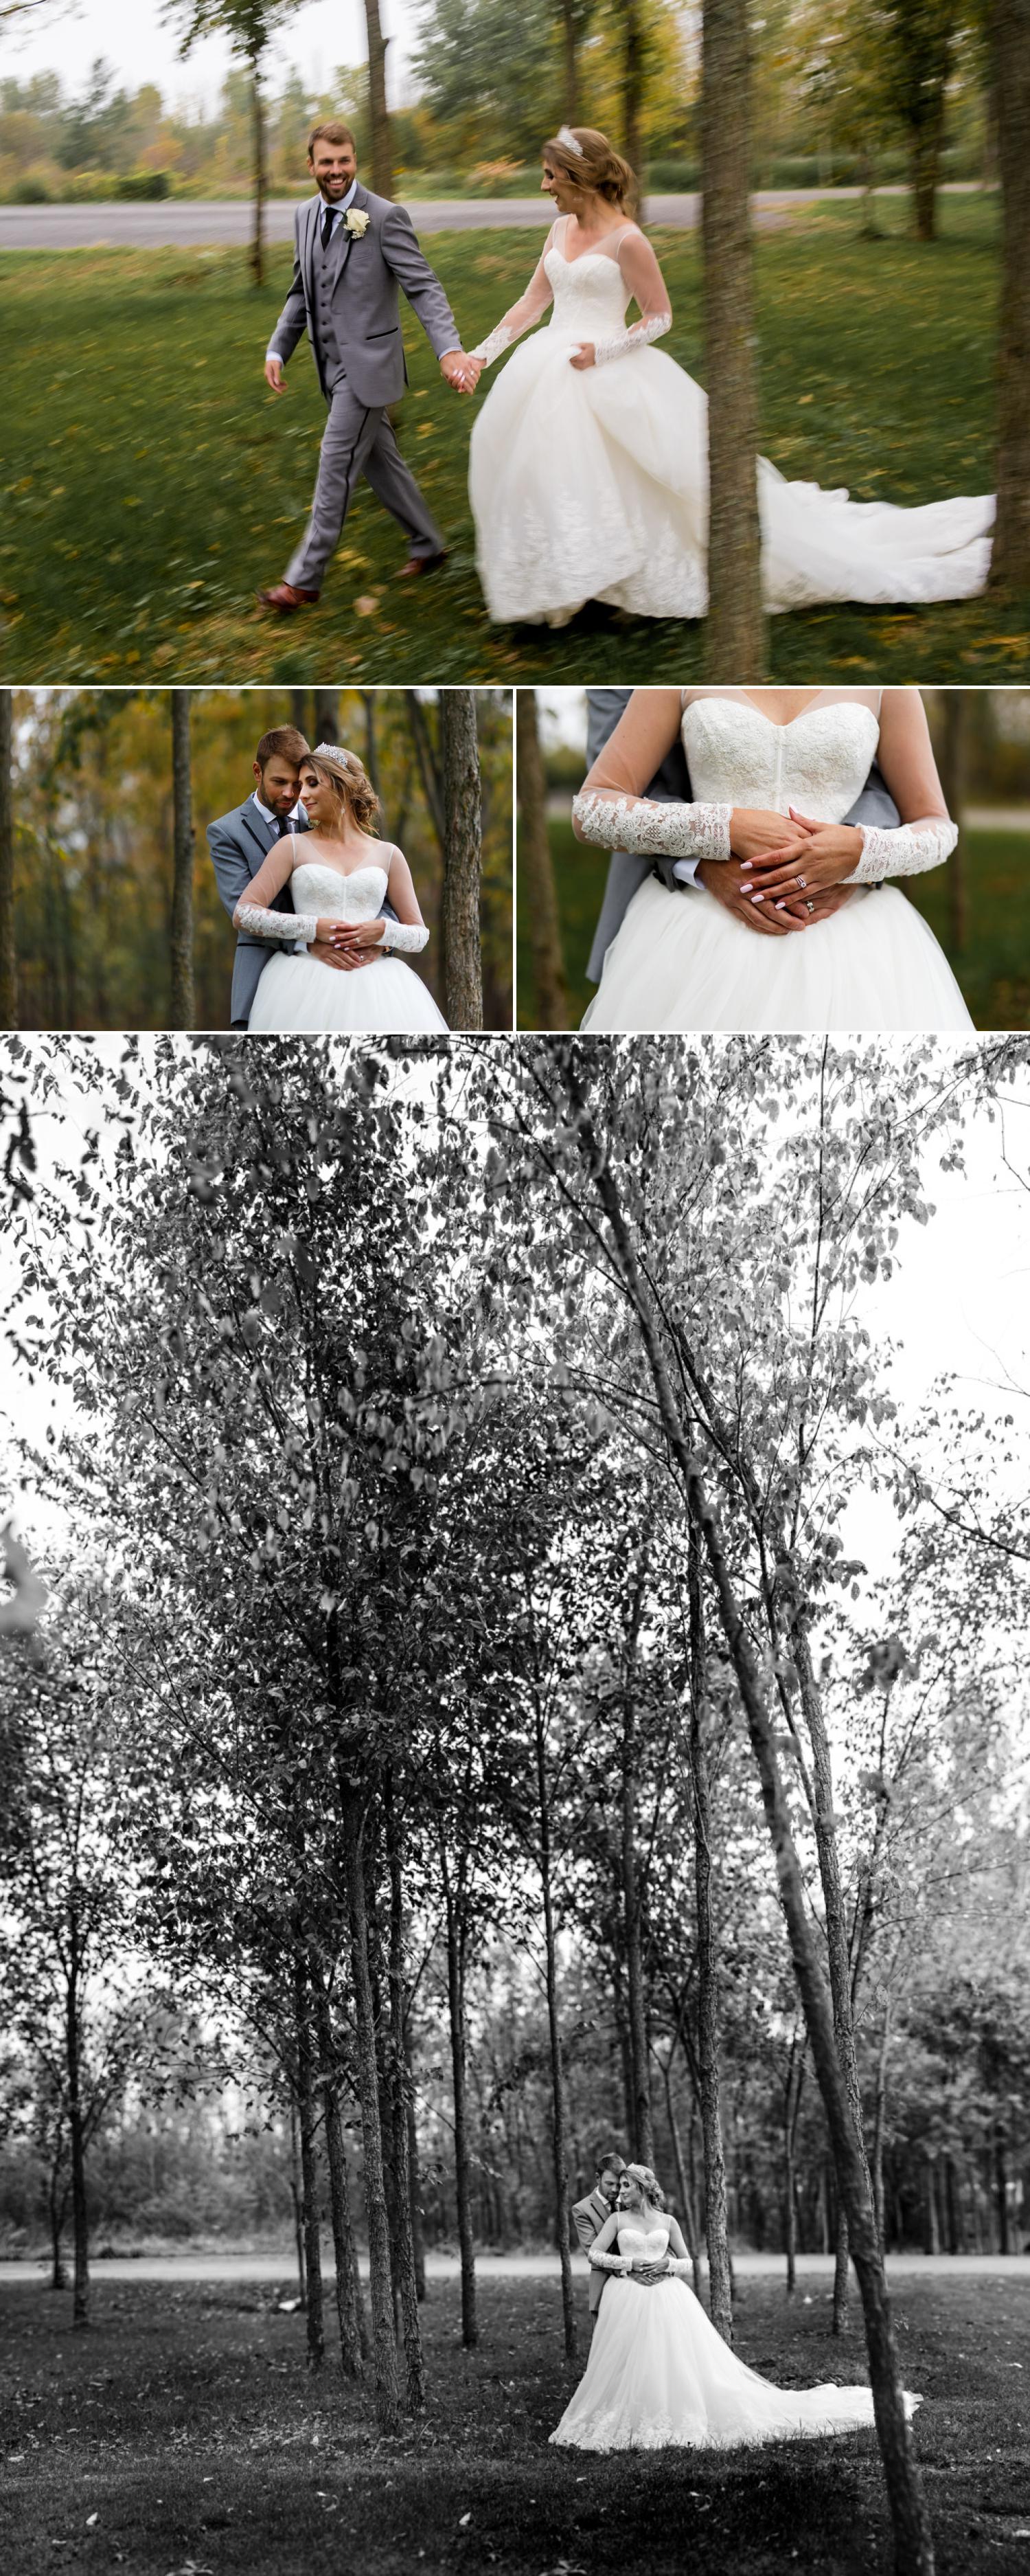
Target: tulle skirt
{"points": [[384, 998], [659, 2376], [682, 962], [593, 484]]}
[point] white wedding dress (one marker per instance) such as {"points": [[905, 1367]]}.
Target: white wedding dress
{"points": [[593, 484], [301, 993], [682, 962], [659, 2376]]}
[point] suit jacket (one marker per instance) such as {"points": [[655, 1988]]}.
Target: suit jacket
{"points": [[589, 2216], [627, 871], [365, 309]]}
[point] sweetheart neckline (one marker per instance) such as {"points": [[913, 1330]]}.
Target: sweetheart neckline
{"points": [[713, 697], [557, 253], [368, 868]]}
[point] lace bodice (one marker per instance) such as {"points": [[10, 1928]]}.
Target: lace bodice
{"points": [[646, 2244], [819, 763], [590, 295], [326, 892]]}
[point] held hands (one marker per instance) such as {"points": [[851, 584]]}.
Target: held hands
{"points": [[584, 356], [819, 859], [461, 370]]}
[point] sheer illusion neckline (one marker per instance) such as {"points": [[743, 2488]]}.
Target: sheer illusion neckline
{"points": [[721, 698], [616, 234], [364, 867]]}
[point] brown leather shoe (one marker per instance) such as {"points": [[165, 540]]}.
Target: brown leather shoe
{"points": [[418, 564], [285, 598]]}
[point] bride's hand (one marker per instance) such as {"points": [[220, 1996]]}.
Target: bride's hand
{"points": [[585, 356], [754, 833], [822, 855]]}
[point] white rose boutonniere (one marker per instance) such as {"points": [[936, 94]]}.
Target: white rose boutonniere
{"points": [[357, 221]]}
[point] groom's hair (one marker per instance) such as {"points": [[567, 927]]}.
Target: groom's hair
{"points": [[331, 132], [610, 2160], [283, 743]]}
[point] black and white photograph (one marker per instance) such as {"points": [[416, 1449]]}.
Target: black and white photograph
{"points": [[514, 1748]]}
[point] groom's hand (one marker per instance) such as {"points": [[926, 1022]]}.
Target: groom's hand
{"points": [[327, 955], [274, 375], [753, 832], [733, 885]]}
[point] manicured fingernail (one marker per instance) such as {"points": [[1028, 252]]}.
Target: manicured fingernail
{"points": [[758, 898], [781, 907], [745, 864]]}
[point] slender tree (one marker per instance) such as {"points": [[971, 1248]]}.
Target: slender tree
{"points": [[552, 1008], [382, 154], [1010, 35], [183, 1013], [8, 950], [248, 27], [462, 861], [735, 638]]}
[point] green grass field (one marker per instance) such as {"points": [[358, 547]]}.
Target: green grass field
{"points": [[153, 483], [993, 968], [182, 2436]]}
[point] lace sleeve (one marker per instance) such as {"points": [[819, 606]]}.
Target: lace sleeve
{"points": [[407, 935], [671, 831], [411, 935], [904, 852], [252, 912], [520, 316], [647, 286]]}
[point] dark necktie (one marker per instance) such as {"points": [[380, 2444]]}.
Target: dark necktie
{"points": [[282, 824], [327, 226]]}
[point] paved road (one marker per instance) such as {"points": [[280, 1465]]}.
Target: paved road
{"points": [[186, 222], [511, 2267]]}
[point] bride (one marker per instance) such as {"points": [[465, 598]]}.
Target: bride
{"points": [[588, 469], [659, 2376], [787, 923], [341, 877]]}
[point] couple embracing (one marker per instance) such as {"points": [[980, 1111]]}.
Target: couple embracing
{"points": [[588, 468], [659, 2376], [324, 909]]}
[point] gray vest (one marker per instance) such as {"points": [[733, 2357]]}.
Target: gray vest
{"points": [[326, 265]]}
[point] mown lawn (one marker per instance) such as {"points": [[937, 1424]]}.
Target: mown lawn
{"points": [[152, 482], [182, 2436], [993, 967]]}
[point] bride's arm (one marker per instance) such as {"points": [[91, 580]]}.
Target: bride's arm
{"points": [[927, 834], [252, 915], [408, 933], [600, 2254], [610, 809], [681, 2264], [519, 317], [647, 286]]}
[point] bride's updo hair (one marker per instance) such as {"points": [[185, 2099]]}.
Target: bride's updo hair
{"points": [[351, 785], [648, 2183], [589, 162]]}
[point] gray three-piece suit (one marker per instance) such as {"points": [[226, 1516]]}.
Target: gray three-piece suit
{"points": [[672, 786], [344, 293]]}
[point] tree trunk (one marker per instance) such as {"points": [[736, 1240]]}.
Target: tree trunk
{"points": [[456, 2008], [326, 714], [841, 2268], [558, 2117], [879, 2121], [415, 2186], [415, 2375], [686, 2196], [720, 2289], [633, 49], [348, 2285], [1001, 2192], [76, 2135], [380, 2278], [183, 1004], [792, 2105], [570, 66], [1010, 563], [308, 2161], [913, 2543], [952, 767], [735, 638], [368, 700], [257, 246], [297, 2197], [57, 2209], [382, 169], [641, 2122], [8, 946], [462, 860], [428, 766], [537, 874]]}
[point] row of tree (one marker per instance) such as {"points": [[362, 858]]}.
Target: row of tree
{"points": [[109, 912], [462, 1591]]}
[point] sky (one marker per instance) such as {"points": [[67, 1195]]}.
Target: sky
{"points": [[959, 1301], [135, 37]]}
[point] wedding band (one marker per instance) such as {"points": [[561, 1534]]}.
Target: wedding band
{"points": [[810, 907]]}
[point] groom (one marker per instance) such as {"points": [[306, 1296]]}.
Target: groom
{"points": [[352, 252], [722, 878], [241, 840], [589, 2215]]}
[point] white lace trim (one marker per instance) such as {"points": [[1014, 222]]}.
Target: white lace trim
{"points": [[633, 336], [902, 853], [635, 823], [409, 935], [494, 344], [286, 926]]}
